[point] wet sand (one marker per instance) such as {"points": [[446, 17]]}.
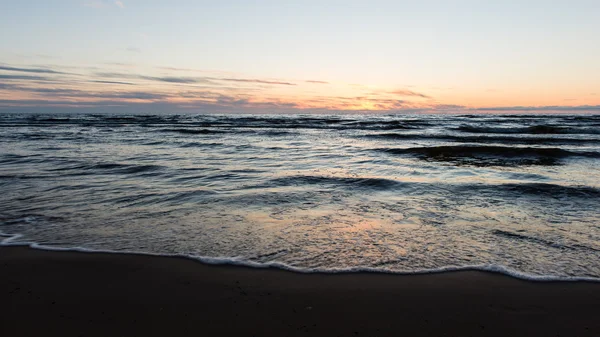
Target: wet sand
{"points": [[47, 293]]}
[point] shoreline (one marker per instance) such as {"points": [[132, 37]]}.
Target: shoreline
{"points": [[67, 293], [224, 261]]}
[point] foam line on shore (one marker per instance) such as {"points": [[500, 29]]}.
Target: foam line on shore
{"points": [[239, 261]]}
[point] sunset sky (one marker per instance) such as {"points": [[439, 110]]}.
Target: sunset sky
{"points": [[299, 56]]}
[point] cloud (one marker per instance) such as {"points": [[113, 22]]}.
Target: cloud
{"points": [[402, 92], [449, 106], [214, 102], [119, 4], [31, 70], [113, 82], [53, 91], [132, 95], [167, 79], [117, 75], [190, 80], [115, 106], [222, 91], [176, 69], [215, 91], [75, 93], [175, 79], [133, 50], [8, 86], [23, 77], [253, 81], [121, 64]]}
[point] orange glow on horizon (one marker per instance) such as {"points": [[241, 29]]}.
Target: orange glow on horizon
{"points": [[283, 94]]}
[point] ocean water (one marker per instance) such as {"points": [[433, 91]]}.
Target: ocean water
{"points": [[519, 194]]}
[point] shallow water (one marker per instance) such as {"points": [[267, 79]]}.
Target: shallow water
{"points": [[400, 193]]}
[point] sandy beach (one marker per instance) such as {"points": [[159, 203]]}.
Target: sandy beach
{"points": [[95, 294]]}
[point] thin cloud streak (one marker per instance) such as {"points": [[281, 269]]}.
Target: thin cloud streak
{"points": [[176, 69], [167, 79], [253, 81], [7, 86], [23, 77], [174, 79], [112, 82], [31, 70], [74, 93], [408, 93], [191, 80]]}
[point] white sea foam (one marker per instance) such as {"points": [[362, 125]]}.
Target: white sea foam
{"points": [[241, 262]]}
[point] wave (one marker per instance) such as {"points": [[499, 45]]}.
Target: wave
{"points": [[11, 240], [535, 129], [128, 169], [491, 155], [198, 144], [505, 190], [381, 125], [363, 183], [549, 190], [272, 133], [538, 189], [487, 139], [182, 123], [189, 124], [162, 199], [95, 119], [113, 168], [523, 237], [192, 131]]}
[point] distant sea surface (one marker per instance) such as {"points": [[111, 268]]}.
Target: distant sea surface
{"points": [[397, 193]]}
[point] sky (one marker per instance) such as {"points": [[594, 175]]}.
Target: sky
{"points": [[299, 56]]}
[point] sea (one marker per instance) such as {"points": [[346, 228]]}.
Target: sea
{"points": [[513, 194]]}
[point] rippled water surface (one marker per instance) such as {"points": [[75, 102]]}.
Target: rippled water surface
{"points": [[397, 193]]}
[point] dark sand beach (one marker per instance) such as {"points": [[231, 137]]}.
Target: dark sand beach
{"points": [[48, 293]]}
